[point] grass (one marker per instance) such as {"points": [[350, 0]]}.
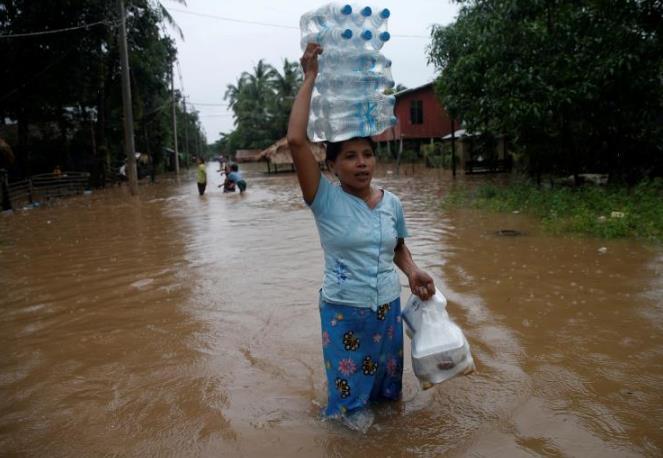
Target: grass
{"points": [[612, 212]]}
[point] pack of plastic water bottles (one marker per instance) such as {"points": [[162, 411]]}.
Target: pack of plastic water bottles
{"points": [[348, 99]]}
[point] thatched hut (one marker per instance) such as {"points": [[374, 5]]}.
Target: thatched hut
{"points": [[247, 155], [278, 155]]}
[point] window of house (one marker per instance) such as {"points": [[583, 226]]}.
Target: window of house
{"points": [[417, 112]]}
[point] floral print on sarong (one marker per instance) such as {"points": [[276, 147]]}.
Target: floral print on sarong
{"points": [[363, 353]]}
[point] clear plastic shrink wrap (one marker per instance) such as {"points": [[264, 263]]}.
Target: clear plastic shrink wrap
{"points": [[348, 99]]}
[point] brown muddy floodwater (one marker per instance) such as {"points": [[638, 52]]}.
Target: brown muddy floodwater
{"points": [[174, 325]]}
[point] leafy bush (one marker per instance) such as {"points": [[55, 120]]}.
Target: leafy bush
{"points": [[612, 212]]}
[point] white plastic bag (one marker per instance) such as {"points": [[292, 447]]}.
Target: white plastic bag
{"points": [[440, 351]]}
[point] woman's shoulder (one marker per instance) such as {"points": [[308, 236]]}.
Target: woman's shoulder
{"points": [[329, 185], [390, 197], [326, 196]]}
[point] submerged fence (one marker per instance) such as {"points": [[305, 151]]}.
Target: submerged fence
{"points": [[40, 188]]}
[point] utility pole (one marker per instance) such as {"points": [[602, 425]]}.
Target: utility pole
{"points": [[400, 153], [186, 133], [172, 90], [129, 146], [198, 142], [453, 148]]}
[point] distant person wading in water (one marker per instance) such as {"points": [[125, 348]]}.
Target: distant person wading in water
{"points": [[201, 176], [235, 177], [362, 231]]}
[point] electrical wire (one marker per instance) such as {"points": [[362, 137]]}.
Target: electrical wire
{"points": [[267, 24], [210, 104], [240, 21], [49, 32], [217, 114]]}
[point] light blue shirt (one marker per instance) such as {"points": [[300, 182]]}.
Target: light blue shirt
{"points": [[358, 243], [235, 176]]}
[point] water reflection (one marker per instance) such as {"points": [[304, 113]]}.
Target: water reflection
{"points": [[187, 325]]}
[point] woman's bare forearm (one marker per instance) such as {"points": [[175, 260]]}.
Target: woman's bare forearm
{"points": [[308, 171], [403, 259]]}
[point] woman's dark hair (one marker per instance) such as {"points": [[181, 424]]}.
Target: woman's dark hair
{"points": [[334, 148]]}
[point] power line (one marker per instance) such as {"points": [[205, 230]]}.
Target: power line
{"points": [[240, 21], [210, 104], [157, 109], [267, 24], [49, 32], [220, 115], [179, 72]]}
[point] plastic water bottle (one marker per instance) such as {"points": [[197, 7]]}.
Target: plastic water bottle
{"points": [[379, 39], [378, 20], [352, 60], [371, 60], [353, 84], [329, 37], [348, 127], [388, 78], [360, 37], [325, 16], [361, 15], [375, 104], [316, 105], [364, 38], [312, 22], [336, 106]]}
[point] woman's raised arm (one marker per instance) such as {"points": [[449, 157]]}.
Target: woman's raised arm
{"points": [[308, 171]]}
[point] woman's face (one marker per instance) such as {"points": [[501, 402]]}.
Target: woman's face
{"points": [[355, 164]]}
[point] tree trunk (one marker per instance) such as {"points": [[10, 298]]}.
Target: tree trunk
{"points": [[63, 155], [23, 150], [129, 147]]}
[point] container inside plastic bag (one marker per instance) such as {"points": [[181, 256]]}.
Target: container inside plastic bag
{"points": [[440, 350]]}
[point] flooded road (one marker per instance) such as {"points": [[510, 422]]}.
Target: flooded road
{"points": [[175, 325]]}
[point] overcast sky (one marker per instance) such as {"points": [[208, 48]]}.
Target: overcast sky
{"points": [[218, 46]]}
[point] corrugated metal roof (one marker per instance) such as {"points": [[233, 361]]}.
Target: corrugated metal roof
{"points": [[412, 89]]}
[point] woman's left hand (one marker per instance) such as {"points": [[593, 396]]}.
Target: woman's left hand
{"points": [[421, 284]]}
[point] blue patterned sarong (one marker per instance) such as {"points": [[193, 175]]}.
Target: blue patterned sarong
{"points": [[363, 355]]}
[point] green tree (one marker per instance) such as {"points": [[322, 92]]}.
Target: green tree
{"points": [[575, 85], [261, 102], [285, 86], [395, 89], [61, 91]]}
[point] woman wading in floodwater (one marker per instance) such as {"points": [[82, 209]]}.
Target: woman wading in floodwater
{"points": [[362, 231]]}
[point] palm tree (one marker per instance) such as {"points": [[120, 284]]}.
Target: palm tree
{"points": [[286, 86], [259, 85], [233, 92], [252, 101], [166, 16], [261, 101]]}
